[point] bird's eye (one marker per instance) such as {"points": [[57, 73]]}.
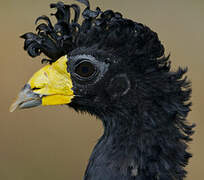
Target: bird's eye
{"points": [[85, 69]]}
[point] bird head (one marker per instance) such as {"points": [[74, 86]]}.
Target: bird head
{"points": [[96, 66]]}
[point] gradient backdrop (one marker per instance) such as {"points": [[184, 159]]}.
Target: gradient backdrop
{"points": [[54, 143]]}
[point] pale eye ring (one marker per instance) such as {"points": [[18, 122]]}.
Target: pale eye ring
{"points": [[85, 69]]}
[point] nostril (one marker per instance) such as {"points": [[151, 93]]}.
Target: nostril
{"points": [[35, 88]]}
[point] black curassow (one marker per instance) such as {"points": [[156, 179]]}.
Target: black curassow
{"points": [[114, 68]]}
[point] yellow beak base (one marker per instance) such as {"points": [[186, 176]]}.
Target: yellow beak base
{"points": [[54, 83]]}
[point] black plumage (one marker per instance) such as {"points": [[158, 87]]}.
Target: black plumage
{"points": [[142, 103]]}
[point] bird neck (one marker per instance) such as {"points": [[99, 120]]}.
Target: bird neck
{"points": [[140, 146]]}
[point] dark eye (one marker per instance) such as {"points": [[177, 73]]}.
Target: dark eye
{"points": [[85, 69]]}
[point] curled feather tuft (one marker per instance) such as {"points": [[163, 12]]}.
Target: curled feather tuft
{"points": [[106, 30]]}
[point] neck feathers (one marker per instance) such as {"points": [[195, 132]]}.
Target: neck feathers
{"points": [[147, 141]]}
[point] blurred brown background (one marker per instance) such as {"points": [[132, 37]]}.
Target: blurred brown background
{"points": [[55, 142]]}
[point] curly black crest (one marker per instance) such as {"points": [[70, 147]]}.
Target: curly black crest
{"points": [[107, 30]]}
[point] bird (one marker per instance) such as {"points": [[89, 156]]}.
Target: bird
{"points": [[116, 70]]}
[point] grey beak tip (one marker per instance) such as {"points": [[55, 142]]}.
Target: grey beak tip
{"points": [[26, 99]]}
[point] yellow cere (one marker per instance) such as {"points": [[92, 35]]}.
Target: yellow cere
{"points": [[53, 81]]}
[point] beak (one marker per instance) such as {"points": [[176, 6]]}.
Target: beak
{"points": [[51, 85]]}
